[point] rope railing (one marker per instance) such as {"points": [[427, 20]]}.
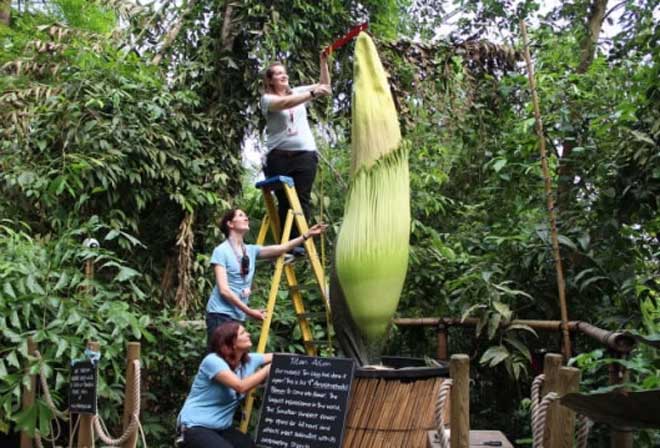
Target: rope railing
{"points": [[99, 426], [134, 424], [539, 410], [440, 412], [48, 398]]}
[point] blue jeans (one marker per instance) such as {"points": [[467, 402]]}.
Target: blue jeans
{"points": [[213, 321]]}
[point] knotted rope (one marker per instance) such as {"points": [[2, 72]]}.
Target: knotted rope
{"points": [[539, 411], [445, 388], [134, 424], [584, 426], [99, 425], [57, 431]]}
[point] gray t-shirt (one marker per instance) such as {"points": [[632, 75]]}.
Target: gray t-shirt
{"points": [[287, 129]]}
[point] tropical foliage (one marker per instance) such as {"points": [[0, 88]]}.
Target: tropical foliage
{"points": [[125, 123]]}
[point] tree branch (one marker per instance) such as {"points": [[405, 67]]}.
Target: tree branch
{"points": [[174, 32], [594, 27]]}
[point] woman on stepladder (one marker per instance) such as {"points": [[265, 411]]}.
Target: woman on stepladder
{"points": [[289, 140], [233, 264], [224, 377]]}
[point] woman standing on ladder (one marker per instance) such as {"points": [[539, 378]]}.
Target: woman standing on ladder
{"points": [[233, 264], [289, 140]]}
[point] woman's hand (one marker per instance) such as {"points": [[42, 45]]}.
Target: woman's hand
{"points": [[256, 314], [316, 229], [321, 90]]}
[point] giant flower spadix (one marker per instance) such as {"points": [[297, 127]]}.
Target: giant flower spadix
{"points": [[372, 247]]}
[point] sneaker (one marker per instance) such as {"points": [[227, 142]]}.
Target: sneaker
{"points": [[298, 251], [289, 258]]}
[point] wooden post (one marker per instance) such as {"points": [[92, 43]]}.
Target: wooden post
{"points": [[619, 439], [29, 394], [441, 330], [129, 390], [459, 401], [551, 365], [86, 431], [569, 381]]}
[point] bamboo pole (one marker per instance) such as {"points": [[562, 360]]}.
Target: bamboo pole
{"points": [[561, 284], [569, 381], [133, 353], [86, 430], [29, 395], [551, 365], [620, 342], [459, 415]]}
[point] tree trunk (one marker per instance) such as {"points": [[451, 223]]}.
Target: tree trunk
{"points": [[588, 46], [5, 12]]}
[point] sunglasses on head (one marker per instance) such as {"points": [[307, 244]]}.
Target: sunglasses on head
{"points": [[245, 265]]}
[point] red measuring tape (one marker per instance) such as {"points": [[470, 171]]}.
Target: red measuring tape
{"points": [[346, 38]]}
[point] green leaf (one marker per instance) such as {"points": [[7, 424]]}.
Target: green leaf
{"points": [[519, 346], [12, 359], [9, 290], [494, 355], [521, 327], [499, 164], [34, 286], [15, 322], [566, 241], [126, 273], [493, 324], [503, 309]]}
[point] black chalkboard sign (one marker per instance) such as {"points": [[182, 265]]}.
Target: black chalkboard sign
{"points": [[82, 389], [305, 403]]}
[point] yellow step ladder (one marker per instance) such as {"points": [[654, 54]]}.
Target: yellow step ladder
{"points": [[271, 220]]}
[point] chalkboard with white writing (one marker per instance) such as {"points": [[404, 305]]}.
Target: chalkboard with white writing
{"points": [[305, 403], [82, 389]]}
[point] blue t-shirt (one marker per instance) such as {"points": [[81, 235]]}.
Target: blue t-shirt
{"points": [[211, 404], [288, 129], [225, 256]]}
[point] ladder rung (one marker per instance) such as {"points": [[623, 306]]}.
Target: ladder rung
{"points": [[312, 315], [316, 343]]}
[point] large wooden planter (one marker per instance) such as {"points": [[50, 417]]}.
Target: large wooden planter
{"points": [[394, 407]]}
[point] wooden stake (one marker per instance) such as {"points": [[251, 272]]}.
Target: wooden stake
{"points": [[569, 381], [29, 394], [86, 431], [459, 415], [133, 353], [561, 284], [551, 365]]}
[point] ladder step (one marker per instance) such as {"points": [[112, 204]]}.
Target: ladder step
{"points": [[312, 315], [275, 182], [316, 343]]}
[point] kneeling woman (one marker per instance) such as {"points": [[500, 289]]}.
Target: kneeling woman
{"points": [[224, 377]]}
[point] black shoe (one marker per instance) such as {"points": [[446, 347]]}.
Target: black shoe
{"points": [[298, 251]]}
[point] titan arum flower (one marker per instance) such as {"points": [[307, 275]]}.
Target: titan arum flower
{"points": [[372, 247]]}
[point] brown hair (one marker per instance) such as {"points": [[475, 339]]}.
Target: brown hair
{"points": [[268, 77], [222, 344], [224, 221]]}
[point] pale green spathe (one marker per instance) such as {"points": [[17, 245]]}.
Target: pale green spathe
{"points": [[372, 246], [375, 130]]}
